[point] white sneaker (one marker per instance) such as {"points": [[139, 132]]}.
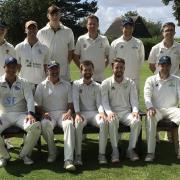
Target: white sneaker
{"points": [[27, 160], [115, 156], [131, 154], [149, 157], [78, 160], [3, 162], [178, 156], [102, 159], [68, 165], [51, 158]]}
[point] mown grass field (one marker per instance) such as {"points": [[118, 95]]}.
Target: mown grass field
{"points": [[165, 167]]}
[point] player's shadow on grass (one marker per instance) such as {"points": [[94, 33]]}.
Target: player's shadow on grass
{"points": [[165, 155]]}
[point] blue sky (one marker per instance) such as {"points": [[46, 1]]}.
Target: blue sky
{"points": [[153, 10]]}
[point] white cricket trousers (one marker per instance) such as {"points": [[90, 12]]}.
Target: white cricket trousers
{"points": [[19, 119], [91, 117], [127, 119], [172, 113], [69, 133]]}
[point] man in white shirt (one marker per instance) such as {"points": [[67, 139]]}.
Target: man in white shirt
{"points": [[161, 94], [167, 47], [17, 108], [59, 39], [54, 100], [88, 109], [94, 47], [6, 49], [32, 55], [120, 102], [130, 49]]}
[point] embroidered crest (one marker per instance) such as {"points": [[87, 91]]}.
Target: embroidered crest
{"points": [[113, 88], [84, 46], [17, 88], [122, 46], [7, 51], [80, 91], [39, 51], [171, 84]]}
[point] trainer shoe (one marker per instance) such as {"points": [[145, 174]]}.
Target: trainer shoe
{"points": [[27, 160], [178, 156], [78, 160], [131, 154], [115, 156], [149, 157], [102, 159], [3, 162], [51, 158], [68, 165]]}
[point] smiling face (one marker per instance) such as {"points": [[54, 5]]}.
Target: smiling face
{"points": [[92, 25], [118, 69], [31, 30], [54, 17], [11, 69], [128, 30], [87, 71], [164, 69], [169, 32], [54, 72]]}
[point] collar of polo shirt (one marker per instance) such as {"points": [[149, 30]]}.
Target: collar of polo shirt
{"points": [[114, 82], [61, 26], [167, 79], [48, 81], [87, 36], [82, 82], [26, 42], [173, 46], [3, 79], [4, 43]]}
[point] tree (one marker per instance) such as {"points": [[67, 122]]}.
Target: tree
{"points": [[175, 7], [17, 12]]}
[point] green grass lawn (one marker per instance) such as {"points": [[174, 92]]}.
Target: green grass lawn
{"points": [[165, 167]]}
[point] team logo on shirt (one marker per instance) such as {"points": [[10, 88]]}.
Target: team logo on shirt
{"points": [[84, 46], [171, 84], [112, 88], [9, 101], [121, 46], [28, 63], [4, 86], [156, 85], [125, 86], [7, 51], [80, 91], [39, 51], [101, 45], [17, 88], [134, 47]]}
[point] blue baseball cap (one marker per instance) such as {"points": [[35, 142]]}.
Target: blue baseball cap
{"points": [[10, 60], [52, 64], [3, 24], [165, 60], [128, 21]]}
